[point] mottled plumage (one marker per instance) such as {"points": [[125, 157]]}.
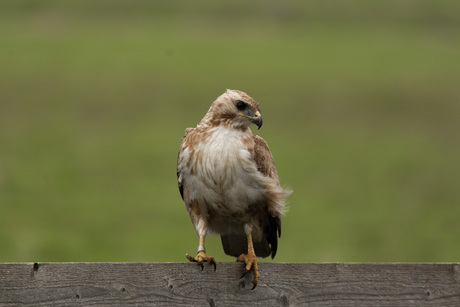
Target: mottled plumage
{"points": [[228, 181]]}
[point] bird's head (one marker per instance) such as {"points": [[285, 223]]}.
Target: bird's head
{"points": [[235, 108]]}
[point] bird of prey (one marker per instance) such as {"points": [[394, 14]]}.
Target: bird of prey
{"points": [[229, 183]]}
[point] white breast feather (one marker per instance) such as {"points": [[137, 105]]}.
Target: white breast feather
{"points": [[226, 177]]}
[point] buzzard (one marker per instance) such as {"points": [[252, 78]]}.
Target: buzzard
{"points": [[228, 181]]}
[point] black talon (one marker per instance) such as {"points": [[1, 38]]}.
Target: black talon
{"points": [[244, 274], [213, 262], [254, 286], [201, 265]]}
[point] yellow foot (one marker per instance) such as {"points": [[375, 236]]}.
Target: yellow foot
{"points": [[200, 258], [251, 264]]}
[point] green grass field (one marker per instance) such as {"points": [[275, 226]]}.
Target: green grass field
{"points": [[361, 106]]}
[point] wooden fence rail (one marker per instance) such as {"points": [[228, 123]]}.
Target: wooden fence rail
{"points": [[281, 284]]}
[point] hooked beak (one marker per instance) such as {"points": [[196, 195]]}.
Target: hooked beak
{"points": [[257, 119]]}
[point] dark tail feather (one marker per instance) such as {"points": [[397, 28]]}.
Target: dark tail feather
{"points": [[272, 231], [234, 245], [237, 244]]}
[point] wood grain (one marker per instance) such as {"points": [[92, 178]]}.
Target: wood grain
{"points": [[184, 284]]}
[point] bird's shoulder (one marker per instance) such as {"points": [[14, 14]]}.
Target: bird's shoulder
{"points": [[264, 158], [188, 132], [190, 137]]}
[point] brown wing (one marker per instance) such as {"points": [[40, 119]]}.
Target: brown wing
{"points": [[234, 244], [180, 182], [266, 165], [264, 159]]}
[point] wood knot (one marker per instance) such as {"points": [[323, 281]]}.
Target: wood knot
{"points": [[211, 302], [283, 300]]}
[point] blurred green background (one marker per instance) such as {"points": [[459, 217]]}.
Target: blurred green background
{"points": [[361, 111]]}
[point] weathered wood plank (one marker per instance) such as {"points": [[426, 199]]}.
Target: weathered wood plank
{"points": [[281, 284]]}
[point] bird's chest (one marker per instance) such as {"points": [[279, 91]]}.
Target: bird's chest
{"points": [[223, 172], [222, 159]]}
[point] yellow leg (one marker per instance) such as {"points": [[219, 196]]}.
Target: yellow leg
{"points": [[251, 261], [201, 256]]}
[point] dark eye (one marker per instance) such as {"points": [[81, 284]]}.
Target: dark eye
{"points": [[241, 105]]}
